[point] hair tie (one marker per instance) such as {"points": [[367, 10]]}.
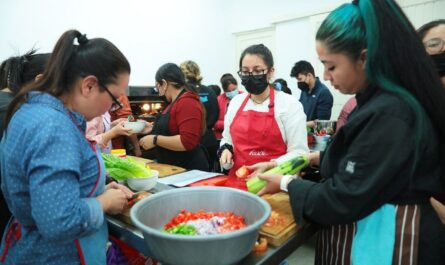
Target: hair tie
{"points": [[82, 39]]}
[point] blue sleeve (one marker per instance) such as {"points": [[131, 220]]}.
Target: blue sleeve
{"points": [[54, 171], [324, 105]]}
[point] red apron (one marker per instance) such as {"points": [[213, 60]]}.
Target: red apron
{"points": [[256, 138]]}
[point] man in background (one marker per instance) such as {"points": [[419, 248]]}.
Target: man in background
{"points": [[315, 97]]}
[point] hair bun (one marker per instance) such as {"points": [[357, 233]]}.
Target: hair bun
{"points": [[82, 39]]}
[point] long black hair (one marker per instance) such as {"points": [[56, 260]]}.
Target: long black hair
{"points": [[69, 61], [17, 71]]}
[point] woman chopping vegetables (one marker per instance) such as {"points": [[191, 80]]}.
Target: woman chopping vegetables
{"points": [[54, 184], [385, 163], [262, 125], [177, 130]]}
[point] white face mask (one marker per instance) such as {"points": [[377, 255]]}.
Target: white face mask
{"points": [[232, 93]]}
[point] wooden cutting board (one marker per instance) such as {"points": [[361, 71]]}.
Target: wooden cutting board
{"points": [[285, 226], [163, 169], [125, 216], [166, 170]]}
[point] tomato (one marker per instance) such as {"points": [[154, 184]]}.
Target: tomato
{"points": [[260, 246], [242, 172]]}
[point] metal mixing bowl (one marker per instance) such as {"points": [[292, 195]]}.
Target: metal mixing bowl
{"points": [[152, 213]]}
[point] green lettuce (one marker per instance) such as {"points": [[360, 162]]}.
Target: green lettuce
{"points": [[122, 168]]}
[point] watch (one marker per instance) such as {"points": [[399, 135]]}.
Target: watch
{"points": [[155, 140]]}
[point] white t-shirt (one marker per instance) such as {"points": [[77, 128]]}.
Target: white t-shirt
{"points": [[289, 115]]}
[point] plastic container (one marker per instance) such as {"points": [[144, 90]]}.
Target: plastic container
{"points": [[119, 152]]}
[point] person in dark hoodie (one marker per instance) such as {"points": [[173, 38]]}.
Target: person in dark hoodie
{"points": [[15, 72], [178, 128], [209, 100]]}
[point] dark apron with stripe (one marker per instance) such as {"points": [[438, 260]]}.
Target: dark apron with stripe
{"points": [[334, 243], [194, 159]]}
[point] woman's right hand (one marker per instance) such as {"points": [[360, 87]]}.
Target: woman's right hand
{"points": [[113, 201], [226, 157]]}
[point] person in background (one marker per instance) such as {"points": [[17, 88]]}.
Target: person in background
{"points": [[208, 98], [15, 73], [119, 142], [382, 167], [432, 35], [230, 88], [215, 89], [345, 111], [262, 125], [102, 131], [281, 85], [54, 184], [177, 131], [316, 98]]}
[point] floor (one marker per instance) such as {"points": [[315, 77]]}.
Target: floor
{"points": [[304, 255]]}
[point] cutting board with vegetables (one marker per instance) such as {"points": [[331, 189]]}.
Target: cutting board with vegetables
{"points": [[125, 216], [281, 224]]}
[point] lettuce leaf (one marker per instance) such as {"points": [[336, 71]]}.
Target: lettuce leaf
{"points": [[122, 168]]}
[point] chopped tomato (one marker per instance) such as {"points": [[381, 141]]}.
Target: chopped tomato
{"points": [[274, 219], [242, 172], [231, 221], [260, 246]]}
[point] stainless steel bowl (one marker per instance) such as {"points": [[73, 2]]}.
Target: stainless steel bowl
{"points": [[152, 213]]}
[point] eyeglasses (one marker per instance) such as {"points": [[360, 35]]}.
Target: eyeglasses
{"points": [[116, 104], [434, 45], [257, 73]]}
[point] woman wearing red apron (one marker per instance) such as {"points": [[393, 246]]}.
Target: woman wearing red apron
{"points": [[261, 125], [54, 179]]}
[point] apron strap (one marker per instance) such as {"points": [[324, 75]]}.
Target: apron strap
{"points": [[14, 232]]}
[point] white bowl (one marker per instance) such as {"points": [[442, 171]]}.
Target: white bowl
{"points": [[143, 184], [136, 126], [322, 139]]}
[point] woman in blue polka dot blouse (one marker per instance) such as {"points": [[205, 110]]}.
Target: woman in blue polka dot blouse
{"points": [[53, 178]]}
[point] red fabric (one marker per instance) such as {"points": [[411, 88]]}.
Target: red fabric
{"points": [[14, 232], [345, 111], [256, 138], [223, 103], [186, 117], [124, 112]]}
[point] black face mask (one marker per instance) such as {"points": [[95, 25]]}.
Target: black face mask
{"points": [[255, 85], [303, 86], [439, 61]]}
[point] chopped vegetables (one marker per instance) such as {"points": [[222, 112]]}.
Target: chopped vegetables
{"points": [[182, 229], [274, 220], [122, 168], [260, 246], [205, 223]]}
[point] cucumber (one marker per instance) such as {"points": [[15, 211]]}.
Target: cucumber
{"points": [[291, 167]]}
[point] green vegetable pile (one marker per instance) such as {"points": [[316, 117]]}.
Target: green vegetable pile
{"points": [[122, 168], [182, 229]]}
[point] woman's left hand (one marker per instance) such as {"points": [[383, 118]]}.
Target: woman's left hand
{"points": [[147, 142], [273, 183], [114, 185]]}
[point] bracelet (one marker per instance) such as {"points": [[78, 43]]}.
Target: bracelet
{"points": [[224, 147], [155, 140]]}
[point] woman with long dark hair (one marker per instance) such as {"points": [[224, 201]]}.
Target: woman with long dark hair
{"points": [[178, 129], [53, 178], [385, 163]]}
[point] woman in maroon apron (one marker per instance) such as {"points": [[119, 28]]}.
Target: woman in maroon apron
{"points": [[387, 160], [54, 179], [255, 135]]}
